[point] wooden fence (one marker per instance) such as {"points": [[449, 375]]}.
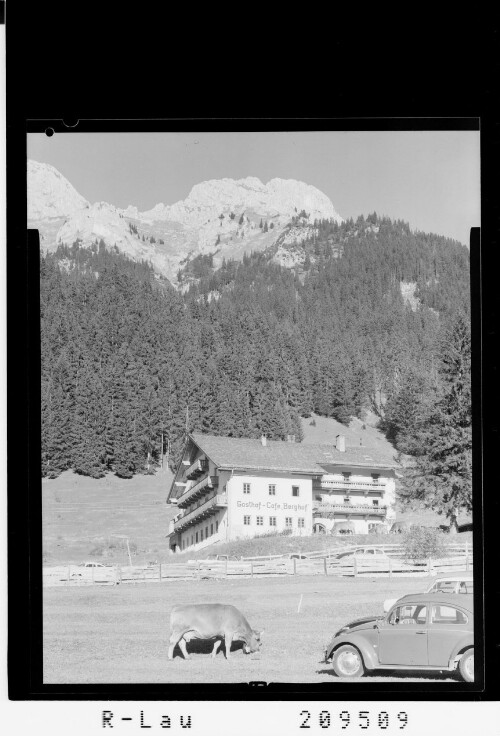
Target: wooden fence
{"points": [[223, 569]]}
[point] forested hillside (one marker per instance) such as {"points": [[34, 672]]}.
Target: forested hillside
{"points": [[129, 362]]}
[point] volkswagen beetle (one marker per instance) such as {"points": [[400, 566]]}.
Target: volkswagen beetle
{"points": [[421, 632]]}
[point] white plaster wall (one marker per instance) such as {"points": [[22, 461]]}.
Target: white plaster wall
{"points": [[260, 503]]}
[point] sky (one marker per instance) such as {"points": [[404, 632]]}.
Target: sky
{"points": [[430, 179]]}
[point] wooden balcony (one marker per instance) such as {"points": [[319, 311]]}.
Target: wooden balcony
{"points": [[199, 467], [199, 489], [331, 510], [211, 506]]}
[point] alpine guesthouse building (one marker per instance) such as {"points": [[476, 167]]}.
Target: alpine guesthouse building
{"points": [[229, 488]]}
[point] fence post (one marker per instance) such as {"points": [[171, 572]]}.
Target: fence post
{"points": [[294, 565], [390, 567], [226, 568], [429, 565], [68, 576], [251, 569], [92, 568], [159, 572], [355, 567], [325, 565]]}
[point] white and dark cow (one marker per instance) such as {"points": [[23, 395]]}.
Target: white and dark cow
{"points": [[211, 621]]}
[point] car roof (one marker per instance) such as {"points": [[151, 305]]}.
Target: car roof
{"points": [[462, 600], [455, 576]]}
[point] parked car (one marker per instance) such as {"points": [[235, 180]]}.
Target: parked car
{"points": [[231, 558], [364, 553], [297, 556], [456, 582], [423, 632]]}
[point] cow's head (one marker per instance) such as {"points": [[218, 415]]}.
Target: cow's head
{"points": [[253, 642]]}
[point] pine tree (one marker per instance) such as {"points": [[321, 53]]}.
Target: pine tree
{"points": [[440, 476]]}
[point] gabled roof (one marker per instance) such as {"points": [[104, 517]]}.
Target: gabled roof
{"points": [[233, 452]]}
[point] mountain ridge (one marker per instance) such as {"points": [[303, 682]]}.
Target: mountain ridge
{"points": [[225, 216]]}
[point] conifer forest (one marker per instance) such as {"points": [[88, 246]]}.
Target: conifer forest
{"points": [[130, 363]]}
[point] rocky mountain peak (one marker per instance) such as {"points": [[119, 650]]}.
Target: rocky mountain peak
{"points": [[50, 194]]}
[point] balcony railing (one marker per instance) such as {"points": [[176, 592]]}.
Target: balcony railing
{"points": [[349, 485], [331, 509], [202, 487], [199, 467], [210, 507]]}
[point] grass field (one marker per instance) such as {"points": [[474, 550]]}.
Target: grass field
{"points": [[120, 634]]}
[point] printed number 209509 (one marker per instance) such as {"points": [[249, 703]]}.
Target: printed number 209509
{"points": [[363, 719]]}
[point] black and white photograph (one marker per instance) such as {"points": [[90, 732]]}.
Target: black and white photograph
{"points": [[256, 401]]}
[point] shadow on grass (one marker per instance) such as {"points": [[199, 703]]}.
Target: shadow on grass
{"points": [[393, 674], [205, 646]]}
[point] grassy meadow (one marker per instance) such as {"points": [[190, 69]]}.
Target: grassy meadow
{"points": [[95, 635]]}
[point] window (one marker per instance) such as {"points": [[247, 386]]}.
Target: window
{"points": [[196, 537], [301, 522], [246, 520], [260, 521], [183, 543], [295, 490], [211, 529], [201, 536], [447, 615], [375, 501], [375, 477], [216, 526], [346, 477], [272, 521], [246, 487], [206, 532], [288, 521], [347, 499], [412, 615], [453, 586], [318, 498], [272, 490]]}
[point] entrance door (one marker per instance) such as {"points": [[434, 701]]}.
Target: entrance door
{"points": [[403, 638]]}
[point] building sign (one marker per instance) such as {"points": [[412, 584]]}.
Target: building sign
{"points": [[273, 505]]}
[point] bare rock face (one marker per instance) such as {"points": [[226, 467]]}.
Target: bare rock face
{"points": [[226, 217], [50, 194]]}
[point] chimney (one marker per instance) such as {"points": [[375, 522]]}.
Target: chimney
{"points": [[263, 439], [340, 443]]}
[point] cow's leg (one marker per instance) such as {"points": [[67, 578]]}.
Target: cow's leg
{"points": [[174, 639], [228, 640], [216, 647], [182, 645]]}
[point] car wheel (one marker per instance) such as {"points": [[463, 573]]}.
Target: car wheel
{"points": [[466, 666], [348, 662]]}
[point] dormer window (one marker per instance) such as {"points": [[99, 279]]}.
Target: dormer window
{"points": [[346, 477], [375, 478]]}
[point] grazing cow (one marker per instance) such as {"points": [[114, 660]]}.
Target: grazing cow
{"points": [[211, 621]]}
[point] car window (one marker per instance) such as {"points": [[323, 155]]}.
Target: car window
{"points": [[447, 615], [370, 551], [452, 586], [412, 615]]}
